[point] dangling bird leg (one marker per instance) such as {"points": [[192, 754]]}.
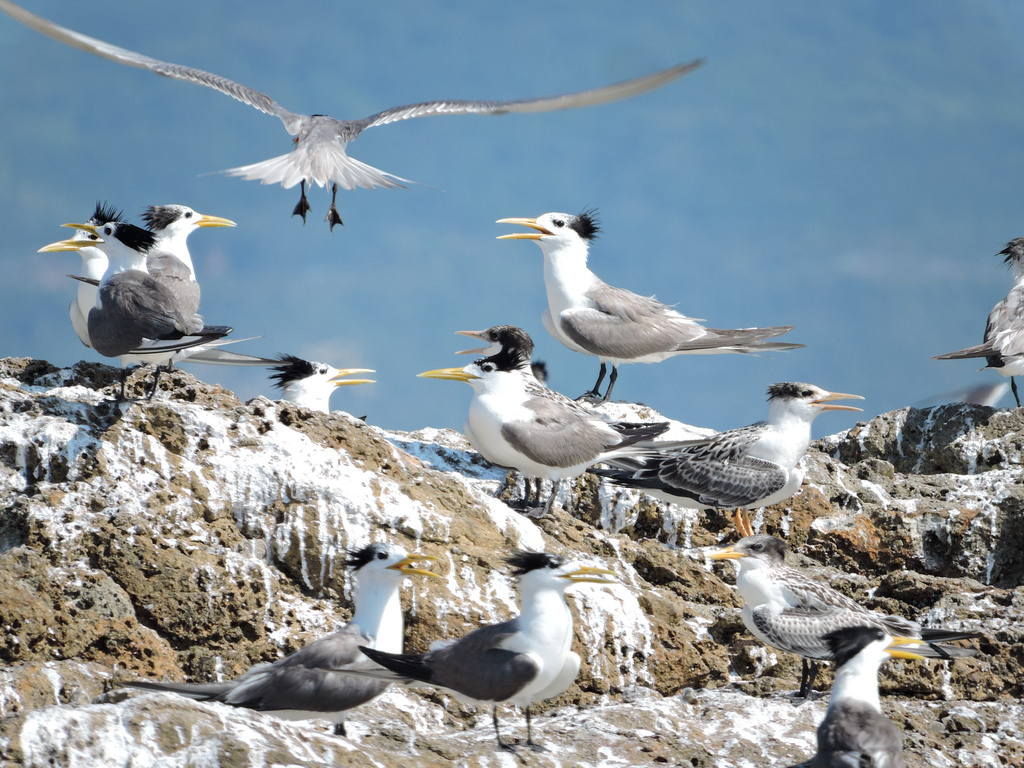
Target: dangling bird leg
{"points": [[333, 217], [302, 207]]}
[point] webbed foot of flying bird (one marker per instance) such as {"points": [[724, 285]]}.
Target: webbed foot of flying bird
{"points": [[333, 217], [302, 207]]}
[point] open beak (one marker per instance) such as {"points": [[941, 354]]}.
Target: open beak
{"points": [[838, 396], [481, 335], [339, 381], [897, 651], [532, 223], [449, 374], [407, 566]]}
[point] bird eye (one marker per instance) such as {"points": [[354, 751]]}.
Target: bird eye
{"points": [[757, 547], [188, 215], [488, 367], [493, 335], [382, 555], [558, 223]]}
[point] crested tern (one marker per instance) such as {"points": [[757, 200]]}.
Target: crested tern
{"points": [[612, 324], [520, 661], [169, 260], [854, 732], [135, 317], [747, 467], [516, 422], [498, 336], [311, 683], [788, 610], [309, 383], [1003, 344], [319, 157], [94, 265]]}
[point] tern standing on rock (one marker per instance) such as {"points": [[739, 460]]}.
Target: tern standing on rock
{"points": [[520, 661], [311, 683], [518, 423]]}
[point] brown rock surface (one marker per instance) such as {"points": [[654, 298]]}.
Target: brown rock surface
{"points": [[194, 536]]}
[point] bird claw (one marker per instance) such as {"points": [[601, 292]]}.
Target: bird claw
{"points": [[332, 218]]}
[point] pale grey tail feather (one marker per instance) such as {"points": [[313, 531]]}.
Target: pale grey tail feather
{"points": [[198, 691], [979, 350]]}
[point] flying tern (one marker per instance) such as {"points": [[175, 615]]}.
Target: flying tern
{"points": [[516, 422], [788, 610], [1003, 345], [311, 683], [520, 661], [310, 383], [319, 157], [612, 324], [854, 731], [747, 467]]}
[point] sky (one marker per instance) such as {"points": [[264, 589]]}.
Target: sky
{"points": [[849, 168]]}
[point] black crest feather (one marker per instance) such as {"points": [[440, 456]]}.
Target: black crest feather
{"points": [[789, 389], [524, 562], [105, 213], [848, 642], [586, 224], [357, 558], [291, 369], [1013, 251], [137, 238], [516, 348], [158, 217]]}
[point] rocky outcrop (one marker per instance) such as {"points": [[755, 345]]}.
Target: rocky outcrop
{"points": [[192, 536]]}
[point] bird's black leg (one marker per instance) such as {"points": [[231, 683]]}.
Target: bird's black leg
{"points": [[124, 380], [611, 382], [497, 733], [302, 207], [808, 671], [596, 391], [529, 734], [333, 217], [1013, 388], [339, 729], [551, 499], [156, 379]]}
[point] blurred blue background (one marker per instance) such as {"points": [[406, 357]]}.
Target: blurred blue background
{"points": [[850, 168]]}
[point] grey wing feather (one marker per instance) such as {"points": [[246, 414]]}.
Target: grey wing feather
{"points": [[624, 325], [715, 471], [573, 100], [242, 93], [559, 436], [477, 666]]}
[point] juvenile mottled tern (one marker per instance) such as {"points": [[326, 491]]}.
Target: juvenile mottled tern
{"points": [[516, 422], [747, 467], [319, 156], [788, 610], [520, 661], [311, 683], [612, 324], [1003, 345], [854, 732], [309, 383]]}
